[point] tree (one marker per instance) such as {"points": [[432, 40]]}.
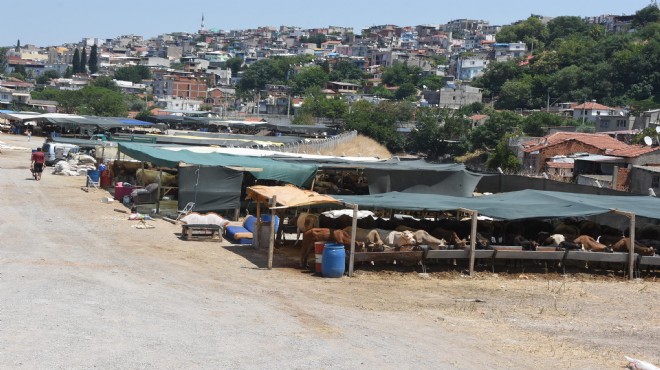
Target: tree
{"points": [[532, 31], [496, 74], [76, 61], [515, 94], [47, 76], [564, 26], [3, 60], [235, 64], [93, 60], [134, 74], [401, 73], [105, 82], [345, 71], [504, 158], [308, 77], [377, 121], [83, 61], [404, 91], [437, 131], [646, 15], [535, 123], [498, 124]]}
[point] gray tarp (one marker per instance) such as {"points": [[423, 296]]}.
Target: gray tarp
{"points": [[210, 188], [514, 205]]}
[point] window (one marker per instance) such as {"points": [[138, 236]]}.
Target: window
{"points": [[655, 182], [621, 123], [604, 124]]}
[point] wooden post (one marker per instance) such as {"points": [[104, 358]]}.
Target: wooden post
{"points": [[351, 258], [631, 251], [255, 232], [271, 242], [631, 258], [473, 241], [473, 233], [160, 183]]}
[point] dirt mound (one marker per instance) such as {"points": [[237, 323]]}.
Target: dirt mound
{"points": [[360, 146]]}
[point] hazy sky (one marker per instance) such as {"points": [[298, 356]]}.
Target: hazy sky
{"points": [[53, 22]]}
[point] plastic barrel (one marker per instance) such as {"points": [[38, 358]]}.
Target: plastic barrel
{"points": [[318, 254], [334, 260], [94, 175]]}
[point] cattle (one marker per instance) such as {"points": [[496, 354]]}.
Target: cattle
{"points": [[321, 235], [590, 228], [590, 244], [397, 239], [422, 237], [304, 222], [450, 236], [370, 238], [623, 245], [146, 177]]}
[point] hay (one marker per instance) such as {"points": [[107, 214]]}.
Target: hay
{"points": [[360, 146]]}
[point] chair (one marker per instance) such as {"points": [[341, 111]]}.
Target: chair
{"points": [[184, 212], [148, 195]]}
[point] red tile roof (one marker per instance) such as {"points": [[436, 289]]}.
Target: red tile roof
{"points": [[591, 106], [601, 141], [633, 151], [477, 117]]}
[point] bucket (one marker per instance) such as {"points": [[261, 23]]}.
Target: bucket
{"points": [[106, 181], [94, 176], [334, 260], [318, 256]]}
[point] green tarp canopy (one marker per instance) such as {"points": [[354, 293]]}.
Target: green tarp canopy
{"points": [[514, 205], [261, 168]]}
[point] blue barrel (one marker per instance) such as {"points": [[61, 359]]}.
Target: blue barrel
{"points": [[94, 176], [334, 260]]}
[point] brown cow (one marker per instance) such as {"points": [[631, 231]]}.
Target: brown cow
{"points": [[590, 244], [321, 235], [450, 236], [370, 238], [623, 245], [305, 221]]}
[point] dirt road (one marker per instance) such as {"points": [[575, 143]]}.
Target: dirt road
{"points": [[80, 287]]}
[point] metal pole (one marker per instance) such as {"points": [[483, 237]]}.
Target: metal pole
{"points": [[351, 259], [255, 235], [271, 242]]}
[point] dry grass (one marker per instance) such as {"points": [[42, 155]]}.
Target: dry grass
{"points": [[360, 146]]}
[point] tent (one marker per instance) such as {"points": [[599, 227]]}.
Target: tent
{"points": [[260, 168]]}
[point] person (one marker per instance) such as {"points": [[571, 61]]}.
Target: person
{"points": [[37, 163], [29, 134]]}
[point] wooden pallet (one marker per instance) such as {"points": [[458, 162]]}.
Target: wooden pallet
{"points": [[202, 232]]}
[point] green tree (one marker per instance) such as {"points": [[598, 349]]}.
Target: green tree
{"points": [[47, 76], [3, 60], [496, 74], [83, 60], [134, 74], [498, 124], [308, 77], [345, 71], [381, 92], [532, 31], [93, 60], [377, 121], [106, 83], [504, 158], [401, 73], [76, 61], [536, 123], [97, 101], [646, 15], [564, 26], [439, 132], [515, 94], [235, 64], [407, 89], [317, 38]]}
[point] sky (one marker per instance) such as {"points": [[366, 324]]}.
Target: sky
{"points": [[55, 22]]}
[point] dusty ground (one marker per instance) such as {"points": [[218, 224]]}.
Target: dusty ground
{"points": [[80, 287]]}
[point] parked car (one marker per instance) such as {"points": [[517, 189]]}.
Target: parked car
{"points": [[56, 152]]}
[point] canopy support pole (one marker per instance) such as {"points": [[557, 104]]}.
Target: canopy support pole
{"points": [[271, 241], [255, 234], [631, 250], [473, 236], [351, 258], [160, 183]]}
